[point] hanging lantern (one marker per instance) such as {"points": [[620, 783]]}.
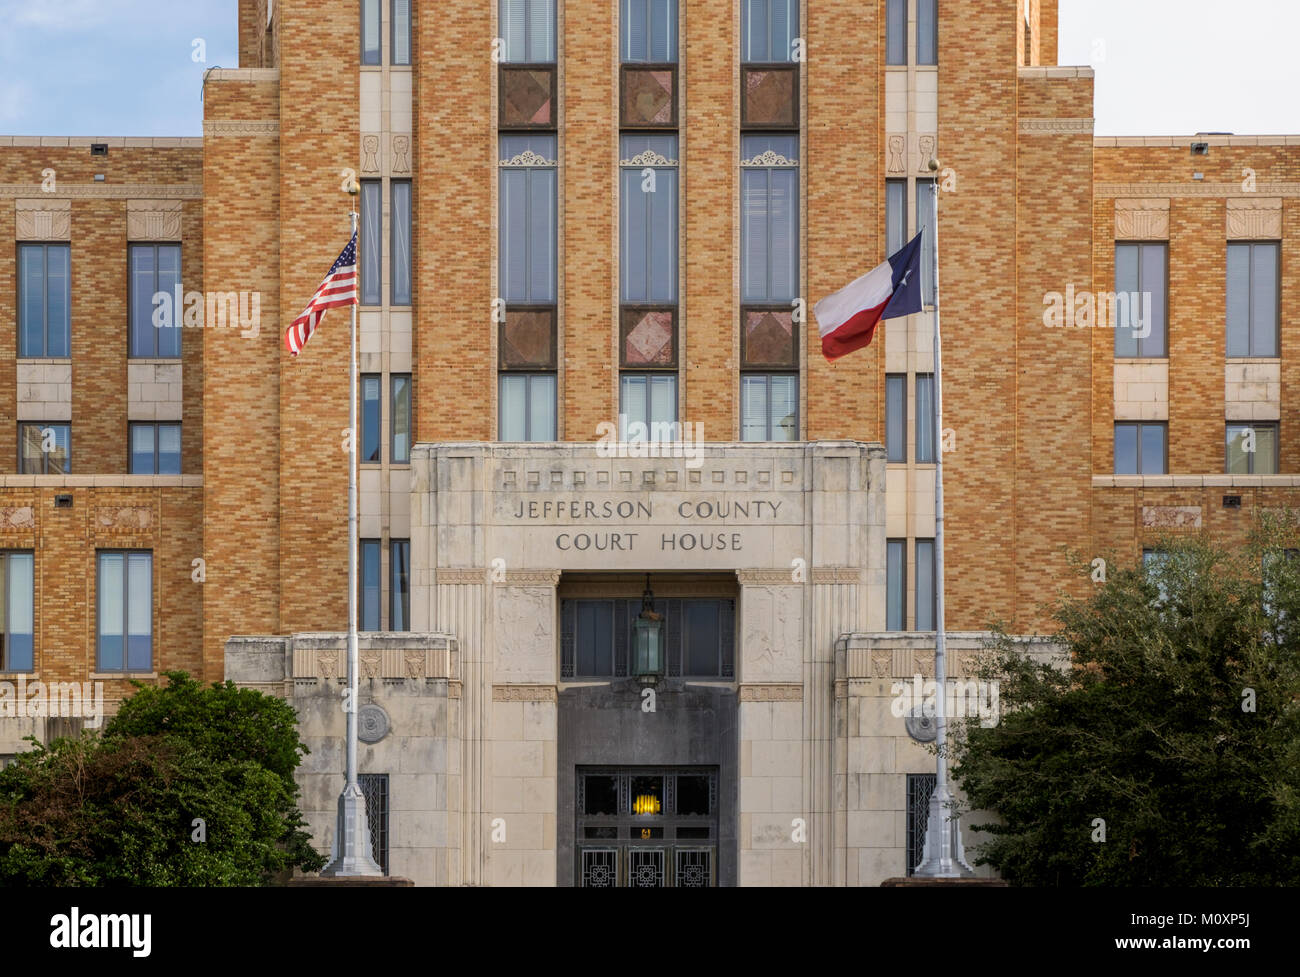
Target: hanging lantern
{"points": [[648, 641]]}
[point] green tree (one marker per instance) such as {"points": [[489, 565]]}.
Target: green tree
{"points": [[187, 786], [1175, 720]]}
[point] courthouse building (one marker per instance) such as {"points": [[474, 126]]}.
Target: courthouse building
{"points": [[582, 221]]}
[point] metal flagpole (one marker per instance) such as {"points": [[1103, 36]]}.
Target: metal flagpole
{"points": [[942, 856], [353, 854]]}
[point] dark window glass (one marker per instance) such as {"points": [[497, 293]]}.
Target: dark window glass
{"points": [[648, 31], [692, 796], [925, 418], [1252, 449], [44, 449], [1252, 299], [769, 407], [401, 40], [1141, 298], [400, 217], [155, 449], [1140, 449], [155, 272], [370, 31], [896, 34], [44, 299], [528, 28], [925, 585], [400, 443], [702, 638], [527, 406], [767, 30], [17, 603], [600, 795], [370, 406], [896, 585], [895, 215], [124, 592], [372, 237], [374, 787], [399, 585], [896, 417], [595, 637], [368, 612], [927, 31]]}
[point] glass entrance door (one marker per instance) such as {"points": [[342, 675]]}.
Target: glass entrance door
{"points": [[647, 827]]}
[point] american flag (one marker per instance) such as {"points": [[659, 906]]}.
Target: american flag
{"points": [[337, 290]]}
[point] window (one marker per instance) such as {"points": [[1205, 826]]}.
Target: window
{"points": [[400, 254], [400, 417], [528, 218], [925, 418], [528, 28], [896, 34], [400, 52], [925, 191], [399, 585], [1141, 299], [374, 787], [372, 225], [895, 215], [768, 29], [769, 407], [1156, 566], [920, 787], [648, 407], [925, 590], [370, 31], [155, 449], [527, 406], [927, 31], [155, 268], [44, 299], [769, 229], [1252, 449], [648, 31], [370, 405], [698, 637], [17, 603], [1252, 299], [125, 594], [368, 608], [44, 449], [648, 209], [896, 417], [896, 585], [1140, 449]]}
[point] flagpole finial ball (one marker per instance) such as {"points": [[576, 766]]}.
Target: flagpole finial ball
{"points": [[933, 164]]}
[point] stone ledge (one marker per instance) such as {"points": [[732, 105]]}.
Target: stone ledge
{"points": [[917, 883]]}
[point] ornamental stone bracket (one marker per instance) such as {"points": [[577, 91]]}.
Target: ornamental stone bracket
{"points": [[1143, 219], [153, 220], [43, 220], [1254, 219]]}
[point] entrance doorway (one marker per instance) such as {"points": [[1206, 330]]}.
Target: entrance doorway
{"points": [[646, 827]]}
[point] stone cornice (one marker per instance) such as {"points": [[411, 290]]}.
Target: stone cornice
{"points": [[1102, 191], [106, 191], [241, 127], [1055, 126]]}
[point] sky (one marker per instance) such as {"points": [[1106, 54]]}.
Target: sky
{"points": [[135, 67]]}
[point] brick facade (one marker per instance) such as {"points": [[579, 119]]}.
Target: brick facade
{"points": [[264, 504]]}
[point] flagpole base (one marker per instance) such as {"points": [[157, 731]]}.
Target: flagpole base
{"points": [[943, 856], [353, 856]]}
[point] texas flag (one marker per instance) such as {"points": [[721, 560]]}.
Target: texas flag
{"points": [[847, 320]]}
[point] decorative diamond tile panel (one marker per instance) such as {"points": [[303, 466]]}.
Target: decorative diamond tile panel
{"points": [[648, 338], [769, 338], [526, 97], [528, 339], [770, 97], [649, 97]]}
